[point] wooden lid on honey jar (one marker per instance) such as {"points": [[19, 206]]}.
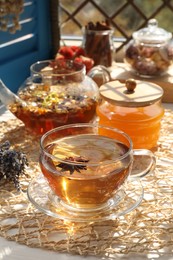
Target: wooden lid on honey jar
{"points": [[131, 93]]}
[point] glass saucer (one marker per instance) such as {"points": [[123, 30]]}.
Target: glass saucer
{"points": [[125, 200]]}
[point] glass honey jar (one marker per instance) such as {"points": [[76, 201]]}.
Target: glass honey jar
{"points": [[134, 107]]}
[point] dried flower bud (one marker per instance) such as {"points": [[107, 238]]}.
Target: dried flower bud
{"points": [[9, 15], [12, 164]]}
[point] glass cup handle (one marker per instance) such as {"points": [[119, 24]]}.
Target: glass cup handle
{"points": [[144, 162]]}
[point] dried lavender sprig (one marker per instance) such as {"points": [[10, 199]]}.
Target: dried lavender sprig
{"points": [[12, 164]]}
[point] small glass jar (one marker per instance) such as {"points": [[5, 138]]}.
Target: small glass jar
{"points": [[135, 108], [98, 45], [149, 53]]}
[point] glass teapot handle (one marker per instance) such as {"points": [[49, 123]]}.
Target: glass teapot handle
{"points": [[100, 74]]}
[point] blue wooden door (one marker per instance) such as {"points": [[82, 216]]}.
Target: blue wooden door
{"points": [[32, 43]]}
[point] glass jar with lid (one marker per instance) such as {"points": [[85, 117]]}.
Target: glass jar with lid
{"points": [[134, 107], [150, 52]]}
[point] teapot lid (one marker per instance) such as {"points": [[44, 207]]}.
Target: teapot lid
{"points": [[152, 33], [131, 93]]}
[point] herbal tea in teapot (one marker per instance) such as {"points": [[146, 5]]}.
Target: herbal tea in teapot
{"points": [[57, 93]]}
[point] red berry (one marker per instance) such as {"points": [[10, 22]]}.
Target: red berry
{"points": [[74, 48], [67, 52], [87, 61], [78, 59], [59, 56], [78, 51]]}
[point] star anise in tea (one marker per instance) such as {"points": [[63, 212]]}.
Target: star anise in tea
{"points": [[70, 167]]}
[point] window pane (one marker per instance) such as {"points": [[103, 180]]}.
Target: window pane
{"points": [[126, 16]]}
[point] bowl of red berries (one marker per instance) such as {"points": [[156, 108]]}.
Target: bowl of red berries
{"points": [[75, 53]]}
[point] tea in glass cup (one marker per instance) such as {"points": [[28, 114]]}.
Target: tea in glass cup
{"points": [[85, 168]]}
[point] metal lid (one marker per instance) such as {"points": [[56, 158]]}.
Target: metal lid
{"points": [[152, 33], [131, 93]]}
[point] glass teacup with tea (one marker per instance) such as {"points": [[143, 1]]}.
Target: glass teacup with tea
{"points": [[87, 169]]}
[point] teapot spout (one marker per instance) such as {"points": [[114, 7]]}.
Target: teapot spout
{"points": [[7, 96]]}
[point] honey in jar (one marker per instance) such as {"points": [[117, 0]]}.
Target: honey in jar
{"points": [[134, 107]]}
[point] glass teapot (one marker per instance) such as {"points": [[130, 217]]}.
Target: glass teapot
{"points": [[150, 52], [56, 93]]}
